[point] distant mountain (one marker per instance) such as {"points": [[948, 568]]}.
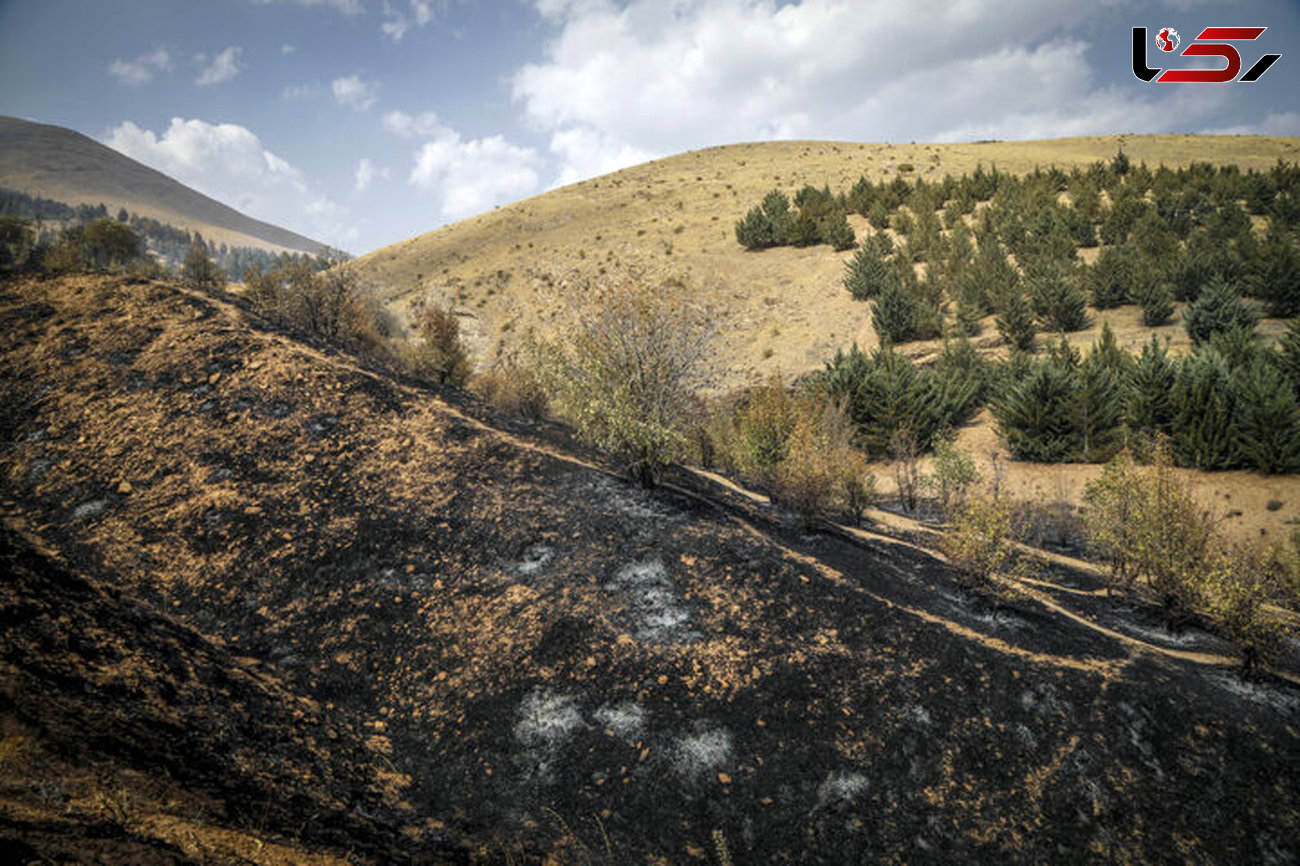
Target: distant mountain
{"points": [[63, 165]]}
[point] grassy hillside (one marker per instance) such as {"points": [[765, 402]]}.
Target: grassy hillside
{"points": [[785, 309], [672, 221], [66, 166], [500, 649]]}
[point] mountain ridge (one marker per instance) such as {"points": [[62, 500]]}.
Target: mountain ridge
{"points": [[65, 165]]}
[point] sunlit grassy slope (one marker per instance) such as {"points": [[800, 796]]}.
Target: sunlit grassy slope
{"points": [[672, 221]]}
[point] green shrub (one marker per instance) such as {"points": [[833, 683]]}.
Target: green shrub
{"points": [[1057, 300], [621, 371], [982, 545], [1015, 322], [1218, 308]]}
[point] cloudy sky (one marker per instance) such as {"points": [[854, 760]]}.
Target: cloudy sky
{"points": [[362, 122]]}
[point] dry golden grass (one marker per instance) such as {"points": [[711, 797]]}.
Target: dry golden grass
{"points": [[781, 310], [673, 220]]}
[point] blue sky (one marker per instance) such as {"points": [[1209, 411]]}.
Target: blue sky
{"points": [[363, 122]]}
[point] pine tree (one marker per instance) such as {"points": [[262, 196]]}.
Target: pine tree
{"points": [[894, 313], [1016, 323], [1034, 415], [1288, 356], [1057, 300], [1149, 405], [200, 271], [776, 207], [869, 272], [1203, 433], [754, 232], [1097, 409], [1267, 419], [839, 234], [1110, 279], [1274, 275], [1218, 308], [1156, 301]]}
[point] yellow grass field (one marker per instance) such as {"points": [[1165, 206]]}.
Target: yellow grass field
{"points": [[671, 222]]}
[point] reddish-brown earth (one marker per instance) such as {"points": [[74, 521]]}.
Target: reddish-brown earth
{"points": [[270, 599]]}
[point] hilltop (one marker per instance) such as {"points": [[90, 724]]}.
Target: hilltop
{"points": [[66, 166], [672, 221], [501, 651]]}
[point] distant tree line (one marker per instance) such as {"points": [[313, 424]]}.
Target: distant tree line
{"points": [[168, 244]]}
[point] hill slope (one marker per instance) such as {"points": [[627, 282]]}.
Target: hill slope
{"points": [[673, 220], [66, 166], [545, 659]]}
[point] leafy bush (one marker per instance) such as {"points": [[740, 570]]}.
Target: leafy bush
{"points": [[16, 240], [512, 387], [439, 356], [763, 425], [621, 372], [1149, 527], [955, 473], [981, 544], [818, 450]]}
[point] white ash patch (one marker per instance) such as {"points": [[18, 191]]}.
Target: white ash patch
{"points": [[1025, 735], [87, 510], [918, 714], [623, 498], [535, 558], [698, 755], [661, 615], [1045, 700], [1258, 693], [1186, 639], [625, 721], [841, 787], [548, 719]]}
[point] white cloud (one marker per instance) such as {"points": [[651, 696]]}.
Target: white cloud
{"points": [[355, 93], [288, 48], [627, 81], [142, 69], [229, 163], [347, 7], [366, 174], [469, 177], [223, 67], [1274, 123], [425, 125], [397, 22]]}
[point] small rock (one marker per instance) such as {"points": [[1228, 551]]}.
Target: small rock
{"points": [[310, 458], [124, 488], [724, 778], [214, 378], [252, 509]]}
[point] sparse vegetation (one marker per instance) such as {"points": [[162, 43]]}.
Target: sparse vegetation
{"points": [[622, 373]]}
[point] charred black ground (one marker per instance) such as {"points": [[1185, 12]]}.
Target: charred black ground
{"points": [[518, 654]]}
